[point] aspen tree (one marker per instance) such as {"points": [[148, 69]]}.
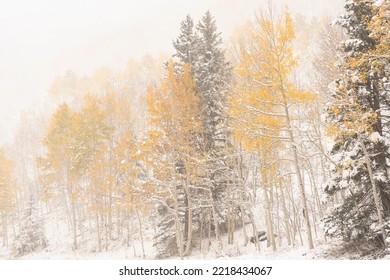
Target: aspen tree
{"points": [[263, 103], [7, 194], [175, 118]]}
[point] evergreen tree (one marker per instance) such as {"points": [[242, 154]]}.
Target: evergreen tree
{"points": [[31, 236], [359, 126], [186, 45], [212, 74], [202, 50]]}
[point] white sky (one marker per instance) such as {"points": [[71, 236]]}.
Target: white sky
{"points": [[40, 39]]}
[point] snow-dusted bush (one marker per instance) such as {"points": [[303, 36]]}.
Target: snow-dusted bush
{"points": [[31, 236]]}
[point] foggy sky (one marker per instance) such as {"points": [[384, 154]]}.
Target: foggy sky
{"points": [[43, 38]]}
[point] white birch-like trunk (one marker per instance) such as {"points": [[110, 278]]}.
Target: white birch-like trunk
{"points": [[377, 200]]}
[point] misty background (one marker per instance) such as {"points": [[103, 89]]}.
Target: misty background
{"points": [[42, 39]]}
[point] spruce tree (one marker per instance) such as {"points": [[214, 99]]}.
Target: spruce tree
{"points": [[212, 74], [358, 123], [31, 235], [202, 50], [186, 44]]}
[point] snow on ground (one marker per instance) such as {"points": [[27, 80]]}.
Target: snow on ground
{"points": [[55, 252], [60, 245], [60, 248]]}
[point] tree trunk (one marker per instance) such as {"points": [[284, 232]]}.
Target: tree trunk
{"points": [[74, 222], [201, 231], [286, 217], [296, 161], [189, 218], [99, 241], [229, 217], [209, 233], [128, 229], [110, 213], [5, 229], [269, 222], [179, 231], [254, 231], [278, 233], [377, 200], [140, 233]]}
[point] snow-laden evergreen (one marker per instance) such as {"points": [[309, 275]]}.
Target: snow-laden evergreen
{"points": [[358, 120], [200, 47], [31, 235]]}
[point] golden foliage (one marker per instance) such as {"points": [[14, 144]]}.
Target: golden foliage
{"points": [[263, 91], [7, 184], [175, 120]]}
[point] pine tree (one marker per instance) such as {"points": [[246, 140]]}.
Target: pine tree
{"points": [[186, 45], [358, 124], [202, 50], [212, 75], [31, 235]]}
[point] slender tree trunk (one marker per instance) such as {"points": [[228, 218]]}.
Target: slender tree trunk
{"points": [[74, 222], [296, 219], [295, 158], [302, 191], [179, 231], [377, 200], [233, 223], [105, 218], [254, 231], [229, 220], [99, 240], [270, 226], [246, 238], [286, 217], [189, 218], [316, 195], [313, 209], [278, 233], [240, 183], [209, 234], [201, 221], [140, 233], [110, 213], [118, 223], [128, 228], [216, 225], [215, 220], [5, 230], [13, 226]]}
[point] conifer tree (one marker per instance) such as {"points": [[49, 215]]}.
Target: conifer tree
{"points": [[186, 45], [202, 50], [31, 235], [358, 124]]}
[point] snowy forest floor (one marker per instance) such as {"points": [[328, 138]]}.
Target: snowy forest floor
{"points": [[60, 248]]}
